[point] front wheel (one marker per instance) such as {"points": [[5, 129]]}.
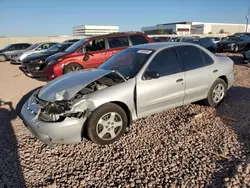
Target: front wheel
{"points": [[72, 67], [236, 48], [216, 93], [107, 124], [2, 58]]}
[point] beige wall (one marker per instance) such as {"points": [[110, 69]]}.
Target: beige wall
{"points": [[10, 40]]}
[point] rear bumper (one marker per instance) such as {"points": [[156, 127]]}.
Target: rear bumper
{"points": [[230, 79]]}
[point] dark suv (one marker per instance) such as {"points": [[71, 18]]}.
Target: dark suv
{"points": [[87, 53]]}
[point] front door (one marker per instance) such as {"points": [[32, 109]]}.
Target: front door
{"points": [[166, 91]]}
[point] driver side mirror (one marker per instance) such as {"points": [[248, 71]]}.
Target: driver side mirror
{"points": [[151, 75], [87, 56]]}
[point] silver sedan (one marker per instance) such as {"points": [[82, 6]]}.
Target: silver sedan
{"points": [[136, 82]]}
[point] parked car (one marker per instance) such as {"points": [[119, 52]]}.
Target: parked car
{"points": [[207, 43], [87, 53], [35, 48], [234, 43], [176, 39], [216, 39], [160, 39], [72, 40], [136, 82], [7, 52], [34, 61]]}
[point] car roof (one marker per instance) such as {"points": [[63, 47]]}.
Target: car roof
{"points": [[161, 45]]}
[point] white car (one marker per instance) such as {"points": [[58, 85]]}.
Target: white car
{"points": [[35, 48]]}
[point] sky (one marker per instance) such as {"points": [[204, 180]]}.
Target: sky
{"points": [[57, 17]]}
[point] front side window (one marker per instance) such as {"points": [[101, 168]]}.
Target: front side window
{"points": [[95, 45], [191, 57], [138, 39], [165, 63], [15, 47], [118, 42]]}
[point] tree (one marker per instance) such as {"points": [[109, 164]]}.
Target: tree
{"points": [[222, 31]]}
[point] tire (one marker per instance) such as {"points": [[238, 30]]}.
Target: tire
{"points": [[3, 58], [210, 100], [101, 125], [72, 67], [236, 48]]}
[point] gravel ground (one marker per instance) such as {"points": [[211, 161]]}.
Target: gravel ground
{"points": [[190, 146]]}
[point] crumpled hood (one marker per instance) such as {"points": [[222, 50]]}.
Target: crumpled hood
{"points": [[71, 82]]}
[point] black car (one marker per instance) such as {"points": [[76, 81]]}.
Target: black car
{"points": [[206, 42], [12, 49], [36, 61], [234, 43]]}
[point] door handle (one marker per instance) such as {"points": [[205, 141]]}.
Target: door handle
{"points": [[214, 71], [179, 80], [104, 53]]}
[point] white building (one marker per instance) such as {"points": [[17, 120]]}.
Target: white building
{"points": [[91, 30], [182, 28], [179, 28]]}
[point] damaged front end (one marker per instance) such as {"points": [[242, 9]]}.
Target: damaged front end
{"points": [[78, 106], [57, 112]]}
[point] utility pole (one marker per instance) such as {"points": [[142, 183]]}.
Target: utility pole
{"points": [[247, 19]]}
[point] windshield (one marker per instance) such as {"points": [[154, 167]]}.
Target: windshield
{"points": [[232, 38], [6, 47], [188, 40], [54, 48], [32, 47], [128, 62], [76, 45]]}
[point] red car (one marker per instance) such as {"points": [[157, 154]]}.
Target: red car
{"points": [[87, 53]]}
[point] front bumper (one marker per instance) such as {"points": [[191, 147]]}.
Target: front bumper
{"points": [[66, 132], [225, 48]]}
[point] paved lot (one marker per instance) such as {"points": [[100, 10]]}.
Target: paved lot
{"points": [[188, 146]]}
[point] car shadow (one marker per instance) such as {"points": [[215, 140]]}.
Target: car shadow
{"points": [[23, 100], [11, 174], [234, 112]]}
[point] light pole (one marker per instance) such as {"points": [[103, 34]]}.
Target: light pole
{"points": [[247, 19]]}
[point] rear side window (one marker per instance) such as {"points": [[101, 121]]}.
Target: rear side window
{"points": [[191, 57], [207, 59], [24, 46], [138, 39], [165, 63], [117, 42]]}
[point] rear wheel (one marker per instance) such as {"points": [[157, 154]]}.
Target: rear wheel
{"points": [[2, 58], [107, 124], [216, 93], [72, 67]]}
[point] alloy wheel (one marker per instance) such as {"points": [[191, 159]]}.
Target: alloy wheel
{"points": [[218, 93], [109, 126]]}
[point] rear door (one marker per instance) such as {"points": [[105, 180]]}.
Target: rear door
{"points": [[167, 91], [96, 53], [199, 70]]}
